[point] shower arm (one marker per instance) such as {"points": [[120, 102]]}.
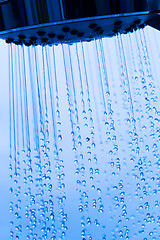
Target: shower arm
{"points": [[3, 1], [56, 21]]}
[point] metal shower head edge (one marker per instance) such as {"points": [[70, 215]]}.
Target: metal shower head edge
{"points": [[43, 24]]}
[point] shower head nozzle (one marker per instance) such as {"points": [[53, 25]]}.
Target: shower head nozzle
{"points": [[57, 21]]}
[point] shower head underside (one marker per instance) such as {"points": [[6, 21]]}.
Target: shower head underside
{"points": [[40, 22]]}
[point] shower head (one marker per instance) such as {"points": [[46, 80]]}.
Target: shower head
{"points": [[33, 22]]}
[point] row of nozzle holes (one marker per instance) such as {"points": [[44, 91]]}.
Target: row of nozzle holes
{"points": [[97, 31]]}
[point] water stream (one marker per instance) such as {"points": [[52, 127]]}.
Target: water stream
{"points": [[85, 139]]}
